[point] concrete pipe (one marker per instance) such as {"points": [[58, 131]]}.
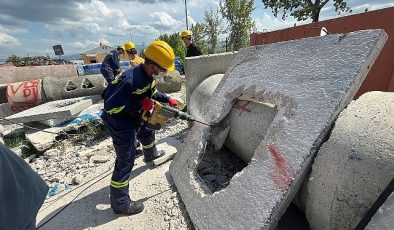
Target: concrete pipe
{"points": [[247, 128]]}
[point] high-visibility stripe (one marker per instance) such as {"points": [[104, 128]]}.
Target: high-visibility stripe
{"points": [[116, 80], [155, 92], [141, 91], [116, 110], [119, 184], [149, 146], [153, 84]]}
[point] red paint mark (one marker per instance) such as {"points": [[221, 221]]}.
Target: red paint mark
{"points": [[28, 91], [243, 107], [282, 174], [23, 95]]}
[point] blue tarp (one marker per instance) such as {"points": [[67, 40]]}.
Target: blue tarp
{"points": [[94, 68]]}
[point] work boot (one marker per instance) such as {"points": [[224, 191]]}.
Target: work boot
{"points": [[134, 208], [157, 155]]}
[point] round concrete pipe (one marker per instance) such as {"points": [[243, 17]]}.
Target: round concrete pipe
{"points": [[249, 120]]}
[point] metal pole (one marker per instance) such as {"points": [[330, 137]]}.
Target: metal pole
{"points": [[187, 24]]}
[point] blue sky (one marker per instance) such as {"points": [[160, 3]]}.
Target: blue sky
{"points": [[34, 26]]}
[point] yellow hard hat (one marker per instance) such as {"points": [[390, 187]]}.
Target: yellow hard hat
{"points": [[121, 47], [186, 33], [129, 45], [161, 53]]}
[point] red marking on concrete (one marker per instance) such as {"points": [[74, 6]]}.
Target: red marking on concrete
{"points": [[243, 107], [282, 174], [28, 91], [23, 95]]}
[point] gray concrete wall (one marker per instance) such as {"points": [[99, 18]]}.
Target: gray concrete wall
{"points": [[354, 166], [199, 68], [20, 74], [309, 94]]}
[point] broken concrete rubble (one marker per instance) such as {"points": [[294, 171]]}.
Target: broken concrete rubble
{"points": [[170, 146], [308, 93]]}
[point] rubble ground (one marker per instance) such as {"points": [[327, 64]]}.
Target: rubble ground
{"points": [[78, 171]]}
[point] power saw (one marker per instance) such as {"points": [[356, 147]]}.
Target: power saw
{"points": [[160, 114]]}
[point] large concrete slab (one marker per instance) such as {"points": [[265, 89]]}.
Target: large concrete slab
{"points": [[53, 110], [310, 81]]}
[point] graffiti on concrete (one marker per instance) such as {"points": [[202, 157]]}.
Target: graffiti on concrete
{"points": [[24, 95]]}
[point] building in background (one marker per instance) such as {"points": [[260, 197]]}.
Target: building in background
{"points": [[97, 55]]}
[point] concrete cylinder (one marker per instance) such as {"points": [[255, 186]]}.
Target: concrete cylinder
{"points": [[249, 120], [354, 166]]}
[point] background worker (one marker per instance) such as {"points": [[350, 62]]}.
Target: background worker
{"points": [[111, 64], [125, 98], [135, 60], [192, 50]]}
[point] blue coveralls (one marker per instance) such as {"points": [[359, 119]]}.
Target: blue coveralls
{"points": [[122, 119], [111, 66]]}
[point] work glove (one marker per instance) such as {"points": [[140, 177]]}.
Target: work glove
{"points": [[147, 104], [173, 102]]}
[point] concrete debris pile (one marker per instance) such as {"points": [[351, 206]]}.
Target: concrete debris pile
{"points": [[298, 99], [69, 165]]}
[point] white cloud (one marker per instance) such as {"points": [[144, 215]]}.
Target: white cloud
{"points": [[164, 21], [98, 19], [268, 22], [8, 41]]}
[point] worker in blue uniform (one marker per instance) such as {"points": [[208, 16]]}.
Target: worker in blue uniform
{"points": [[111, 64], [125, 98]]}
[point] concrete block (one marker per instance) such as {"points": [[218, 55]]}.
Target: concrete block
{"points": [[54, 110], [310, 81], [87, 112], [384, 218], [354, 166], [42, 140], [171, 146], [199, 68]]}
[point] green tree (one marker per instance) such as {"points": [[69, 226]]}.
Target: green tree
{"points": [[175, 42], [303, 9], [240, 23], [198, 33], [212, 28], [17, 61]]}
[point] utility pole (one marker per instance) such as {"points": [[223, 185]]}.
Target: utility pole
{"points": [[187, 24]]}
